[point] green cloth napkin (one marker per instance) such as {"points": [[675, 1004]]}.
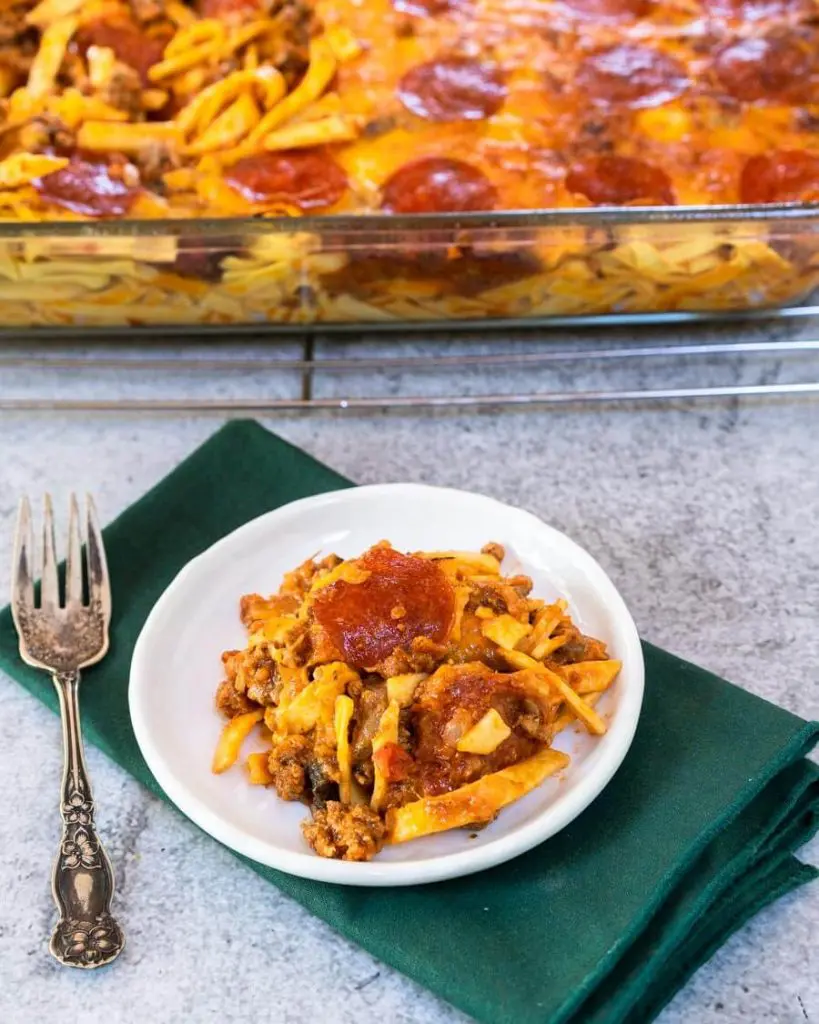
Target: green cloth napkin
{"points": [[602, 923]]}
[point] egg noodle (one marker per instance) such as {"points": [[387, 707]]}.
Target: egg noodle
{"points": [[159, 110]]}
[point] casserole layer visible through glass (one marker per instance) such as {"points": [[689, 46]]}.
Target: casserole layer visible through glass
{"points": [[376, 270]]}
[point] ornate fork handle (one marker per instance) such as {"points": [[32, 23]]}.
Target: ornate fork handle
{"points": [[83, 883]]}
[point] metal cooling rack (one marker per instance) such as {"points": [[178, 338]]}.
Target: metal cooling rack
{"points": [[757, 358]]}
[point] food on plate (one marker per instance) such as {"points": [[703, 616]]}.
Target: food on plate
{"points": [[161, 110], [399, 695]]}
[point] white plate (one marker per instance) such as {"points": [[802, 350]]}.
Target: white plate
{"points": [[176, 668]]}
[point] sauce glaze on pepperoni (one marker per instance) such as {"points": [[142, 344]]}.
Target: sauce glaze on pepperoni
{"points": [[130, 43], [87, 188], [453, 89], [615, 180], [438, 185], [629, 75], [308, 179], [773, 68], [786, 176], [360, 618]]}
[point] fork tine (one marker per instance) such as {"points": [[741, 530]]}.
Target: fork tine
{"points": [[22, 581], [50, 584], [98, 586], [73, 563]]}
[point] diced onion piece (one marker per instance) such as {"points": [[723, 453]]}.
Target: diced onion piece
{"points": [[485, 736], [258, 770], [505, 630], [593, 722], [476, 802], [591, 676], [402, 688], [387, 732], [233, 736], [344, 708]]}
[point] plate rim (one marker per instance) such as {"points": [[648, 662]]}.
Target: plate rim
{"points": [[375, 872]]}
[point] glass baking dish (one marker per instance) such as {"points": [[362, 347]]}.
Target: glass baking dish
{"points": [[343, 272]]}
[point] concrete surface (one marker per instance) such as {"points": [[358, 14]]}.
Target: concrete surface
{"points": [[704, 515]]}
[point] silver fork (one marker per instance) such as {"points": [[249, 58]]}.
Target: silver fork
{"points": [[62, 638]]}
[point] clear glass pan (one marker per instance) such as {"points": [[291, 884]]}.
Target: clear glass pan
{"points": [[377, 271]]}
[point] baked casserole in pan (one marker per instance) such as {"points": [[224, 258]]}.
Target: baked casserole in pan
{"points": [[383, 161]]}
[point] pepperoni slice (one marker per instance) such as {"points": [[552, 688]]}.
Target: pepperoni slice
{"points": [[130, 44], [773, 68], [87, 188], [787, 176], [404, 597], [306, 178], [438, 185], [610, 10], [456, 89], [437, 718], [615, 180], [631, 76]]}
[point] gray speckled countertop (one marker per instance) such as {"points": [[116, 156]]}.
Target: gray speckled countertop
{"points": [[704, 515]]}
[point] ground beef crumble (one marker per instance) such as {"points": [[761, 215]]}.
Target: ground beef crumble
{"points": [[345, 833], [230, 703], [287, 763]]}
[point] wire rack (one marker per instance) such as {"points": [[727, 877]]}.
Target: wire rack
{"points": [[763, 357]]}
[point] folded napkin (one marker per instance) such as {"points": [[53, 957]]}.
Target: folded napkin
{"points": [[602, 923]]}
